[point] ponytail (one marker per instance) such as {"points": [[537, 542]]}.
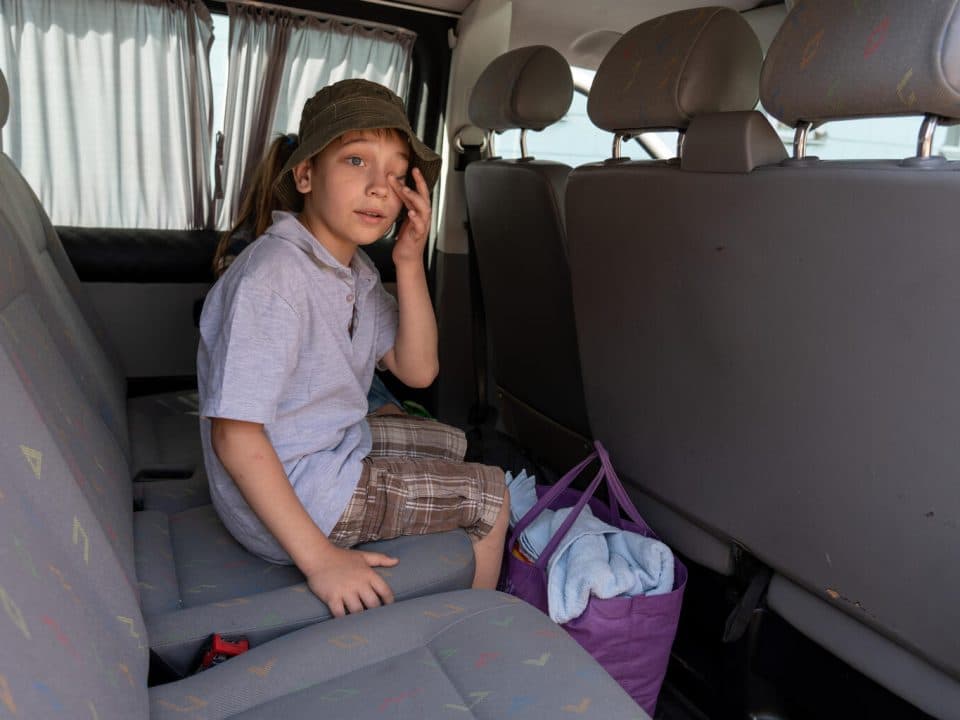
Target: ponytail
{"points": [[258, 204]]}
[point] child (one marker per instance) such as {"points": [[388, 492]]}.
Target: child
{"points": [[289, 338], [258, 203]]}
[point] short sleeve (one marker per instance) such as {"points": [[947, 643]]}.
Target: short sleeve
{"points": [[253, 343], [387, 318]]}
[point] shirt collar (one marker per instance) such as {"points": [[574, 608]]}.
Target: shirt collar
{"points": [[288, 227]]}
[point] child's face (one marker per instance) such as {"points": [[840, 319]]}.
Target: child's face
{"points": [[348, 188]]}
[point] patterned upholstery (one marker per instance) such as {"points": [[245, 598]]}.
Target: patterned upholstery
{"points": [[665, 71], [465, 654], [72, 637], [834, 60], [72, 622]]}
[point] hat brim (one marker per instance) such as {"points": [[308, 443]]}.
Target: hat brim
{"points": [[361, 113]]}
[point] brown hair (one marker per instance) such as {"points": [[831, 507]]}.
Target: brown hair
{"points": [[258, 202]]}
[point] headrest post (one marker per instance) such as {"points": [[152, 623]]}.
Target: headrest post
{"points": [[523, 142], [925, 141], [618, 138], [800, 139], [681, 136], [491, 148]]}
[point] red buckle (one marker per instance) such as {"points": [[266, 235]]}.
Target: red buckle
{"points": [[221, 649]]}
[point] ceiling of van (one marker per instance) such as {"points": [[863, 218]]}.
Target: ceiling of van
{"points": [[583, 30]]}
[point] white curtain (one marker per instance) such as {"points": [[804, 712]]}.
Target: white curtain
{"points": [[277, 62], [110, 118]]}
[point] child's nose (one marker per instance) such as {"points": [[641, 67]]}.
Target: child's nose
{"points": [[379, 185]]}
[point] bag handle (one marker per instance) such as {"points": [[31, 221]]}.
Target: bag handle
{"points": [[619, 499], [568, 522], [548, 497]]}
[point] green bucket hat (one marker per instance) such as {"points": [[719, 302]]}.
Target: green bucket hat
{"points": [[351, 105]]}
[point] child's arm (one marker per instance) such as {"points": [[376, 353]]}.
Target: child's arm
{"points": [[413, 358], [343, 579]]}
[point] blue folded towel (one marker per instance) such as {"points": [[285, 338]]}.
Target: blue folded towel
{"points": [[523, 494], [594, 558]]}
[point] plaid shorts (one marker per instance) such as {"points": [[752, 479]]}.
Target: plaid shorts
{"points": [[415, 482]]}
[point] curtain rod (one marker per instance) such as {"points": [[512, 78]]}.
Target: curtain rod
{"points": [[414, 8], [324, 16]]}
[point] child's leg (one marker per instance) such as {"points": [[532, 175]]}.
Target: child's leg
{"points": [[400, 496], [406, 436], [488, 550]]}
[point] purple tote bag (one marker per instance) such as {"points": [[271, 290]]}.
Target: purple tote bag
{"points": [[630, 636]]}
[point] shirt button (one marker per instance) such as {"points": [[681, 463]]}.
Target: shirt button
{"points": [[350, 298]]}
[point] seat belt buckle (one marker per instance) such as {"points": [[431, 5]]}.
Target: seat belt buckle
{"points": [[220, 649]]}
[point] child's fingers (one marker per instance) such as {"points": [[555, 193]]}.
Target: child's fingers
{"points": [[370, 598], [376, 559], [353, 603], [336, 607], [383, 590], [421, 184]]}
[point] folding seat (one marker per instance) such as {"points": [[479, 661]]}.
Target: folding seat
{"points": [[773, 360], [192, 577], [516, 218]]}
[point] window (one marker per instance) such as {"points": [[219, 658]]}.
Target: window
{"points": [[869, 139], [574, 139]]}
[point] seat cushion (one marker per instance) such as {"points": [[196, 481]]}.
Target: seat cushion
{"points": [[195, 579], [471, 653]]}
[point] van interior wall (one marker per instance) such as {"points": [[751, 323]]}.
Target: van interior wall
{"points": [[482, 34]]}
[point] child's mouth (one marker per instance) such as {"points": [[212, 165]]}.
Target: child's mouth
{"points": [[371, 217]]}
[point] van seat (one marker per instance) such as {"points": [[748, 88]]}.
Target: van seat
{"points": [[516, 219], [75, 643], [610, 233]]}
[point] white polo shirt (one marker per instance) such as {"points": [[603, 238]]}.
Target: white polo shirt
{"points": [[276, 348]]}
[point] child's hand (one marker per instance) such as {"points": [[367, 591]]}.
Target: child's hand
{"points": [[413, 235], [346, 582]]}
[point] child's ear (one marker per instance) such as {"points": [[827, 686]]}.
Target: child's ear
{"points": [[303, 176]]}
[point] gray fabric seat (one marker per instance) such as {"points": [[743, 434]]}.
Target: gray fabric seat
{"points": [[75, 643], [793, 345], [190, 573], [516, 218], [608, 223]]}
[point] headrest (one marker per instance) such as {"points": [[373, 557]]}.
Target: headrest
{"points": [[670, 69], [732, 142], [4, 100], [835, 60], [529, 88]]}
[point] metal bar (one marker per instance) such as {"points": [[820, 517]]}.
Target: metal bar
{"points": [[800, 139], [324, 16], [925, 141]]}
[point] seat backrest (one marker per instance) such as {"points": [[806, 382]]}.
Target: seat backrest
{"points": [[72, 634], [792, 344], [660, 75], [74, 324], [516, 217]]}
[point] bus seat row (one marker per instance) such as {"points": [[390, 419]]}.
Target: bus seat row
{"points": [[767, 343], [771, 358]]}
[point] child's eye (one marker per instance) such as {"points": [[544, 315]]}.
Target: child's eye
{"points": [[355, 161], [402, 179]]}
